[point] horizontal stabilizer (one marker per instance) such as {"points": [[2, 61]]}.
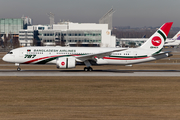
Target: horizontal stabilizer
{"points": [[168, 53]]}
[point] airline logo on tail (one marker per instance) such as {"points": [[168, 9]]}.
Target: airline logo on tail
{"points": [[156, 41], [178, 35]]}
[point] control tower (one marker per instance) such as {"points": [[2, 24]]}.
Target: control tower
{"points": [[51, 17]]}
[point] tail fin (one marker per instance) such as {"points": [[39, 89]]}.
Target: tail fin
{"points": [[144, 36], [176, 36], [156, 41]]}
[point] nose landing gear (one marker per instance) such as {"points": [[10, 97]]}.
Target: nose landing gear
{"points": [[17, 64], [18, 69]]}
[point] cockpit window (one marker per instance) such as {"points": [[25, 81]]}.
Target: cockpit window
{"points": [[10, 53]]}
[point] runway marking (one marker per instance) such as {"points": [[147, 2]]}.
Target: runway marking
{"points": [[168, 73]]}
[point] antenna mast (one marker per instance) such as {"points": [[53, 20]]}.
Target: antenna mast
{"points": [[107, 18], [51, 17]]}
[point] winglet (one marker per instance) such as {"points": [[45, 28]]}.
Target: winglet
{"points": [[166, 28]]}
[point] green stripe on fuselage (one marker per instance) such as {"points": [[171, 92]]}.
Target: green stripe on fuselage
{"points": [[46, 60], [129, 56]]}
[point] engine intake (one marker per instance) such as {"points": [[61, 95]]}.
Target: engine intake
{"points": [[65, 63]]}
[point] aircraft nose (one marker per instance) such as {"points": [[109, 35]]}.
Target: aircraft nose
{"points": [[8, 58], [4, 58]]}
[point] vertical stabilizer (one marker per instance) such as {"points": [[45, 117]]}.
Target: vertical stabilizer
{"points": [[176, 36], [156, 41]]}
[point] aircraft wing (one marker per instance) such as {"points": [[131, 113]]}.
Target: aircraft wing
{"points": [[97, 55]]}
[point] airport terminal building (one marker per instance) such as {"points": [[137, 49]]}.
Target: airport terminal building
{"points": [[68, 34], [9, 30], [125, 42]]}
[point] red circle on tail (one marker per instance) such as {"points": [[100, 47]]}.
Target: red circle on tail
{"points": [[156, 41]]}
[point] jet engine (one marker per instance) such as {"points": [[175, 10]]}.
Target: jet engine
{"points": [[65, 63]]}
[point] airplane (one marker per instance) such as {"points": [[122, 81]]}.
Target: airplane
{"points": [[175, 41], [69, 57]]}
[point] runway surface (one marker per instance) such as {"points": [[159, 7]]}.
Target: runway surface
{"points": [[93, 73]]}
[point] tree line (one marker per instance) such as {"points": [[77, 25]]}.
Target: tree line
{"points": [[138, 34]]}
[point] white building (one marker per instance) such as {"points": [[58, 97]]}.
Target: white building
{"points": [[26, 37], [129, 42], [71, 34], [27, 22]]}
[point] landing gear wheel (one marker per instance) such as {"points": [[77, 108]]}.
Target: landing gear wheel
{"points": [[88, 69], [85, 69], [18, 69]]}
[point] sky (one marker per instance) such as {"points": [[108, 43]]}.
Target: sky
{"points": [[134, 13]]}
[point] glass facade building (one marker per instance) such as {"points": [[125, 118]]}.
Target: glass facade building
{"points": [[10, 26]]}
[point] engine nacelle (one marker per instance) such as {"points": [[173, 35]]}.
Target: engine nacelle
{"points": [[65, 63]]}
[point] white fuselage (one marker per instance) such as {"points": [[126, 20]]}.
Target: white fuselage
{"points": [[43, 55]]}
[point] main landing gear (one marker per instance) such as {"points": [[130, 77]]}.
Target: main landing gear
{"points": [[88, 64], [88, 69], [17, 64]]}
